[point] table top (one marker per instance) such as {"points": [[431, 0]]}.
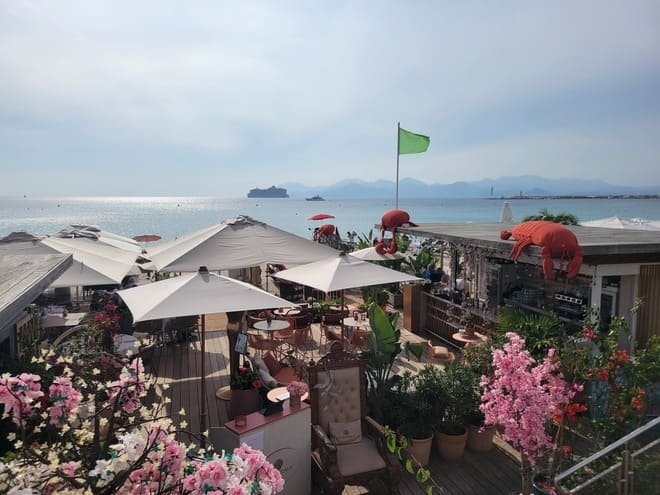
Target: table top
{"points": [[125, 343], [461, 337], [279, 391], [57, 320], [272, 326], [352, 322], [287, 312]]}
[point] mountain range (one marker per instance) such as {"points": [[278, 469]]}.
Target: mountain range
{"points": [[528, 185]]}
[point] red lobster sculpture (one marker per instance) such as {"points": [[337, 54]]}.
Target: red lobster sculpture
{"points": [[554, 240], [391, 221]]}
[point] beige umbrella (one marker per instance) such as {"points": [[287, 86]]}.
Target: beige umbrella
{"points": [[194, 294], [343, 272]]}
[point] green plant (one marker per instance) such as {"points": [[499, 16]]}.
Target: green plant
{"points": [[398, 445], [384, 346], [416, 265], [365, 240], [563, 217], [246, 379], [429, 389], [461, 395], [540, 331], [470, 319]]}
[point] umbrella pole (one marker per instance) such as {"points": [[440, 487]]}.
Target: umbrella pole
{"points": [[341, 313], [202, 407]]}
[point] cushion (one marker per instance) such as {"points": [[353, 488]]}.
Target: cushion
{"points": [[261, 368], [440, 351], [272, 364], [361, 457], [345, 433]]}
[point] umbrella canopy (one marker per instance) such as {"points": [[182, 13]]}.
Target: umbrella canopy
{"points": [[342, 272], [370, 254], [147, 238], [94, 263], [238, 242], [623, 223], [321, 216], [75, 231], [196, 293]]}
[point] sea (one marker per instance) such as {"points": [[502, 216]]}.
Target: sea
{"points": [[170, 217]]}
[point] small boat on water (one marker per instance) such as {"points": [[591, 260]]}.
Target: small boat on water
{"points": [[315, 198]]}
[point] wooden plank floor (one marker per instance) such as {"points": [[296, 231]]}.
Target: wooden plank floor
{"points": [[179, 365]]}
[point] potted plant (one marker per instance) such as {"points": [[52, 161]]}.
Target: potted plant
{"points": [[458, 384], [478, 358], [470, 320], [296, 390], [412, 414], [245, 395]]}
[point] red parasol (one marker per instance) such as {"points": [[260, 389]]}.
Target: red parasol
{"points": [[321, 216], [147, 238]]}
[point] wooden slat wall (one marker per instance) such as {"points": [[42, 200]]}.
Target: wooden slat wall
{"points": [[648, 322]]}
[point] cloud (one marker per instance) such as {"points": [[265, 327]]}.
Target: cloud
{"points": [[239, 92]]}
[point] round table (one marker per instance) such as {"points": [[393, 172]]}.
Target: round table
{"points": [[464, 339], [224, 393], [273, 326], [352, 322], [125, 343], [276, 392], [287, 312]]}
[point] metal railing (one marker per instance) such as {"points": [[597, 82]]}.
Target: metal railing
{"points": [[625, 466]]}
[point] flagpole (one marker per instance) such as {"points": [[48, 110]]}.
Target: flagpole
{"points": [[398, 137]]}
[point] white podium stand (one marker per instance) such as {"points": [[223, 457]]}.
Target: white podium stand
{"points": [[284, 437]]}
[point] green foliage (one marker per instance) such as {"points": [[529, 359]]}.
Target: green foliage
{"points": [[416, 265], [397, 445], [540, 331], [563, 217], [365, 240], [461, 395], [384, 346]]}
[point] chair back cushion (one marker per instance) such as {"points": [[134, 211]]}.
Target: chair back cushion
{"points": [[345, 433], [260, 367], [339, 402]]}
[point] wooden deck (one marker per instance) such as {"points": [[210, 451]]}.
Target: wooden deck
{"points": [[179, 365]]}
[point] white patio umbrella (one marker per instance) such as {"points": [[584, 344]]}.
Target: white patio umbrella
{"points": [[343, 272], [94, 263], [616, 222], [194, 294], [239, 242], [370, 254], [74, 231]]}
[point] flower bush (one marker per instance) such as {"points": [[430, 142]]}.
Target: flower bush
{"points": [[522, 397], [82, 434], [246, 379], [297, 388]]}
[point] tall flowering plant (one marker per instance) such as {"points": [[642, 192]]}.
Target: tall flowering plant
{"points": [[81, 434], [522, 397]]}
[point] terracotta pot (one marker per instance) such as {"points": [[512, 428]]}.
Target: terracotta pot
{"points": [[244, 402], [480, 441], [419, 448], [451, 447], [469, 331]]}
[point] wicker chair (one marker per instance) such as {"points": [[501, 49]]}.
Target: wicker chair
{"points": [[330, 329]]}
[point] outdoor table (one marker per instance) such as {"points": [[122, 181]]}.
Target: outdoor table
{"points": [[287, 312], [125, 343], [277, 395], [467, 340], [271, 326], [351, 323]]}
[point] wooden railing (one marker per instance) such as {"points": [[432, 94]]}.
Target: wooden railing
{"points": [[444, 318], [28, 333]]}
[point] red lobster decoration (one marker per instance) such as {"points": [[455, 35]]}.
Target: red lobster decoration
{"points": [[554, 240], [391, 221]]}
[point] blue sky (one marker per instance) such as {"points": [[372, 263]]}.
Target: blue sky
{"points": [[216, 97]]}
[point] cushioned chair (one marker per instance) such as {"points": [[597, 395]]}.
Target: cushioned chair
{"points": [[348, 446], [272, 372], [330, 329], [438, 353]]}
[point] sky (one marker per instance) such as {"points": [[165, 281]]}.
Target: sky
{"points": [[217, 97]]}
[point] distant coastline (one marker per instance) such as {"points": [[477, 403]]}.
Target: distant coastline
{"points": [[573, 196]]}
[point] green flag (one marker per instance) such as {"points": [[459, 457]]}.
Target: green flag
{"points": [[409, 142]]}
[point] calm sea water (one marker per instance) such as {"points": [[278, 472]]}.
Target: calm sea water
{"points": [[172, 216]]}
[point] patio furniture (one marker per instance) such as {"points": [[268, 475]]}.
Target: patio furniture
{"points": [[438, 353], [261, 344], [348, 446], [330, 329]]}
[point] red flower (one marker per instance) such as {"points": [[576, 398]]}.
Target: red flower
{"points": [[637, 402], [603, 374], [256, 384], [566, 449], [589, 333], [573, 409], [620, 356]]}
